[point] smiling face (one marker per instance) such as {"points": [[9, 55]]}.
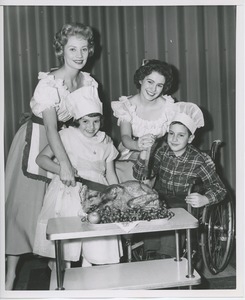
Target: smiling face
{"points": [[76, 52], [152, 86], [89, 126], [178, 138]]}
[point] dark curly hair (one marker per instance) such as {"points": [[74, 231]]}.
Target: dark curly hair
{"points": [[72, 29], [154, 65]]}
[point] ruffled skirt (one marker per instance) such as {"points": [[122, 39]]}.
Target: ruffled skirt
{"points": [[24, 199]]}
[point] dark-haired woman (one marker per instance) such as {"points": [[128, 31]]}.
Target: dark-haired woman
{"points": [[25, 181], [144, 117]]}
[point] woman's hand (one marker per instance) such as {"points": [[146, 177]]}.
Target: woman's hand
{"points": [[146, 141], [196, 200], [67, 174]]}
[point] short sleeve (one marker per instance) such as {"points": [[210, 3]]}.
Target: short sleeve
{"points": [[113, 153], [65, 133], [46, 94], [122, 110]]}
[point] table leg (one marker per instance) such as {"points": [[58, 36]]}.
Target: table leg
{"points": [[129, 247], [58, 265], [189, 258], [177, 245]]}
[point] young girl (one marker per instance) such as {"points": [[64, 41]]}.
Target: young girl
{"points": [[92, 154]]}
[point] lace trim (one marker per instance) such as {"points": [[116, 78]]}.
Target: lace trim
{"points": [[124, 110]]}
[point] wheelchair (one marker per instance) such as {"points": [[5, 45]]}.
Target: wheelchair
{"points": [[214, 239]]}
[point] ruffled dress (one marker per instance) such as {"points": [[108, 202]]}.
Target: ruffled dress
{"points": [[124, 110], [25, 182], [89, 156]]}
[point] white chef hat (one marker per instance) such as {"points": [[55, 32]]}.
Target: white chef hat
{"points": [[190, 115], [83, 101]]}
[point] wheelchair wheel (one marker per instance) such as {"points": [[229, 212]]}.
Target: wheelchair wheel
{"points": [[217, 238]]}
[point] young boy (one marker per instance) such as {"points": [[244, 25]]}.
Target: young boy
{"points": [[178, 161]]}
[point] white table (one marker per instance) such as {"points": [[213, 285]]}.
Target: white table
{"points": [[152, 274]]}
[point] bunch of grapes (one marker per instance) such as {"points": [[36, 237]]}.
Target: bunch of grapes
{"points": [[114, 215]]}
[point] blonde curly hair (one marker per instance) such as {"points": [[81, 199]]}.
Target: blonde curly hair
{"points": [[68, 30]]}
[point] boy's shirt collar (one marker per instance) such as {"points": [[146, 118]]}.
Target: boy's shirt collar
{"points": [[181, 157]]}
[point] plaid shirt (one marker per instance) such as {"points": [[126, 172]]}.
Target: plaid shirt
{"points": [[174, 172]]}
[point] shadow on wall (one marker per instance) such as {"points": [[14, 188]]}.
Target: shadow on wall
{"points": [[97, 51], [175, 84], [202, 132]]}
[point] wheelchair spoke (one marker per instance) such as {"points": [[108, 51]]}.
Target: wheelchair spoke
{"points": [[215, 247], [220, 235]]}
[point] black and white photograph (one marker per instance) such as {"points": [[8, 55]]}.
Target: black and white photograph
{"points": [[122, 157]]}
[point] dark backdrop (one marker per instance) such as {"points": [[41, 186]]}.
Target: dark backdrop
{"points": [[199, 42]]}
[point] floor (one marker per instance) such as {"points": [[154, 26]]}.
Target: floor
{"points": [[34, 274]]}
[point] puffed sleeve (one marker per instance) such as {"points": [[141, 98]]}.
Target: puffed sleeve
{"points": [[122, 110], [46, 94]]}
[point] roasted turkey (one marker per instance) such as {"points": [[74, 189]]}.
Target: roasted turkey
{"points": [[122, 196]]}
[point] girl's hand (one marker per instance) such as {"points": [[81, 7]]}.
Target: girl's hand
{"points": [[144, 154], [196, 200], [67, 174], [146, 141]]}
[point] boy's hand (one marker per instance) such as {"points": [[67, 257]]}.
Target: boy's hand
{"points": [[196, 200]]}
